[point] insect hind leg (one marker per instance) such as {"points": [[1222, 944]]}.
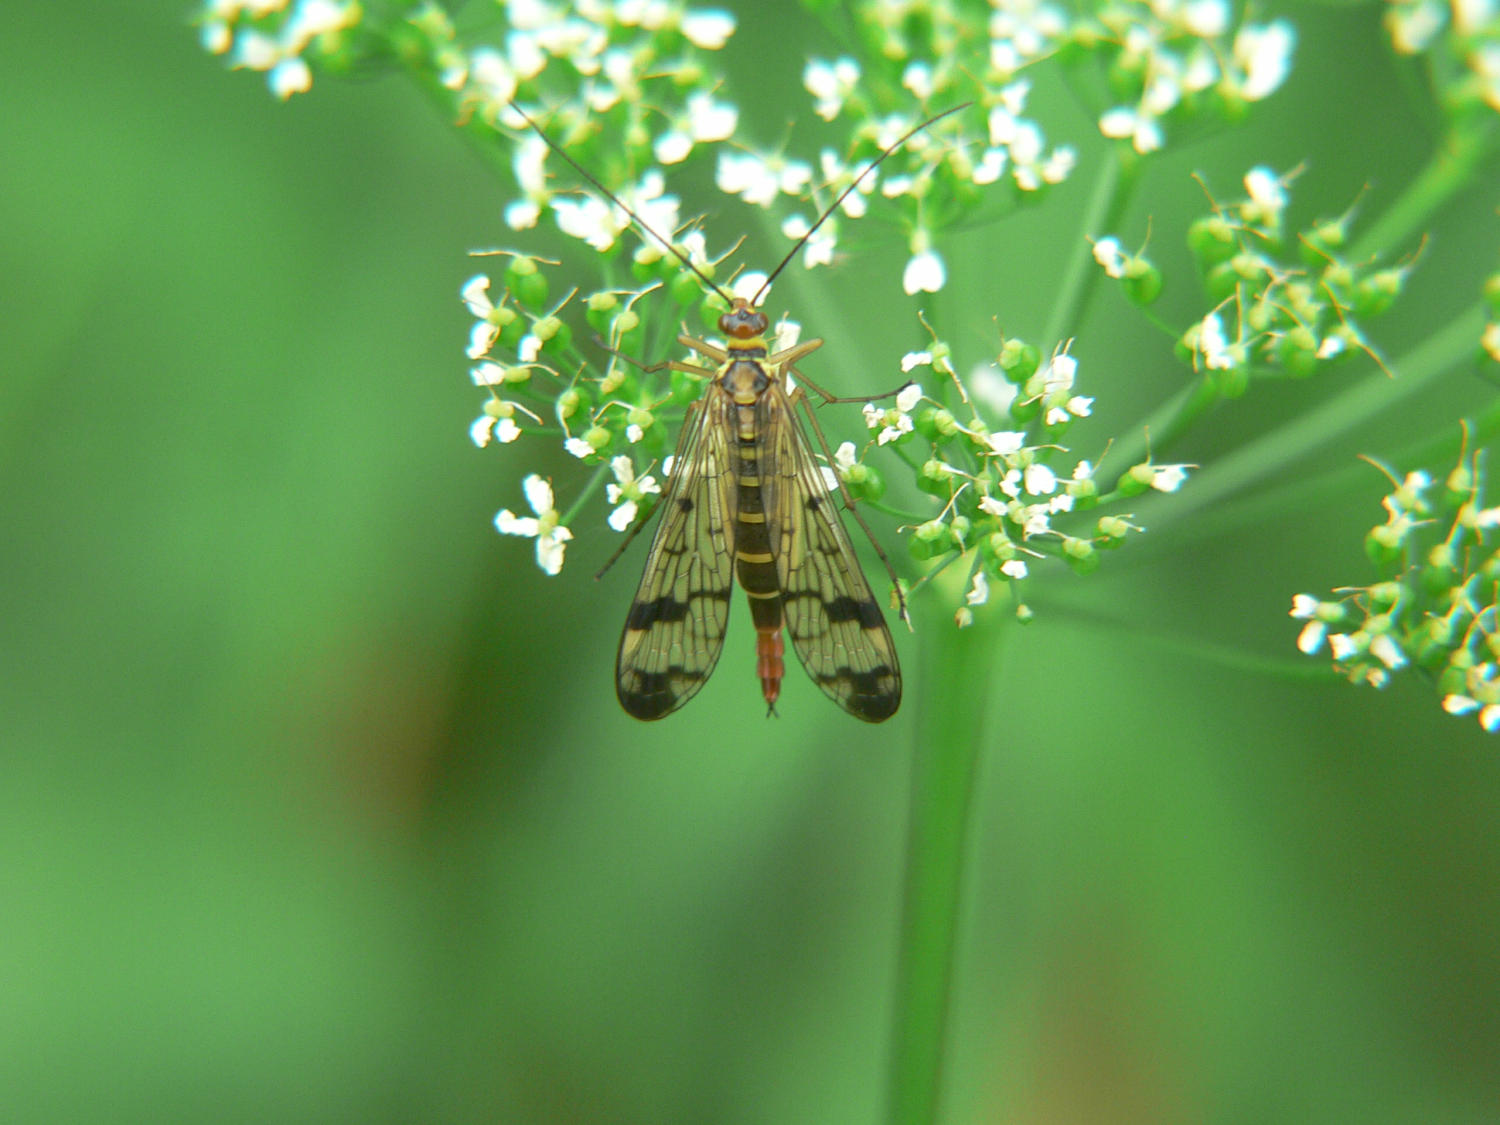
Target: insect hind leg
{"points": [[849, 504]]}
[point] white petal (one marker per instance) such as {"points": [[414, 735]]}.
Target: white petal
{"points": [[508, 523], [925, 273], [538, 494], [979, 592], [621, 517], [708, 28], [476, 295]]}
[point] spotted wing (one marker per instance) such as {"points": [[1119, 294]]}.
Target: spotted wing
{"points": [[835, 623], [675, 630]]}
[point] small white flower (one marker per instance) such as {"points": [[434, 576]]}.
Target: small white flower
{"points": [[979, 592], [708, 28], [1304, 606], [544, 527], [1217, 354], [1267, 196], [895, 421], [627, 492], [1310, 639], [749, 285], [759, 180], [1385, 649], [578, 447], [1136, 125], [925, 273], [915, 359], [1460, 704], [1040, 480], [290, 76], [486, 426], [1342, 646], [1265, 54], [845, 457], [818, 250], [1006, 442], [918, 79], [1168, 478], [830, 84], [1107, 253], [1013, 568]]}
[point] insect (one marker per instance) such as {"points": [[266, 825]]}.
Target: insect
{"points": [[747, 501]]}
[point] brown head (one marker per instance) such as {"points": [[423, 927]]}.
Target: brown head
{"points": [[742, 322]]}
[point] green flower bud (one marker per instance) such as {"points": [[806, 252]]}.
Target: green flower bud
{"points": [[527, 283], [1136, 479], [1377, 292], [1212, 240], [570, 402], [1327, 237], [598, 308], [1142, 281], [1080, 555], [1383, 544], [930, 540], [684, 288], [1298, 351], [599, 437], [1085, 493], [1112, 530], [1019, 360], [936, 478], [864, 482]]}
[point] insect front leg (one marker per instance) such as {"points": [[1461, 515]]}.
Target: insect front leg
{"points": [[635, 529], [829, 399]]}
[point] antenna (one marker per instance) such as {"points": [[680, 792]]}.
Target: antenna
{"points": [[618, 202], [683, 258], [854, 183]]}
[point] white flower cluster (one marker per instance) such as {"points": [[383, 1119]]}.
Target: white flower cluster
{"points": [[605, 50], [1173, 51], [274, 36], [1467, 29], [1438, 612], [1012, 146]]}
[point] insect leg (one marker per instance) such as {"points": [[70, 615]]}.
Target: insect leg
{"points": [[798, 396], [829, 399]]}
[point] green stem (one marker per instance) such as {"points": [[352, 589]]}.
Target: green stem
{"points": [[1288, 444], [959, 668], [1449, 168], [1106, 205]]}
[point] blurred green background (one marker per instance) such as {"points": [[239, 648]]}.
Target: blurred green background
{"points": [[317, 805]]}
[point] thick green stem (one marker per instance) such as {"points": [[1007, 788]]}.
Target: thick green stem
{"points": [[959, 668], [1106, 205], [1449, 169]]}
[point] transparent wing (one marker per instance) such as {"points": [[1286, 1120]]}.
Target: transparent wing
{"points": [[675, 629], [835, 623]]}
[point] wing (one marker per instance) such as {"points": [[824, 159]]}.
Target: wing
{"points": [[675, 629], [835, 623]]}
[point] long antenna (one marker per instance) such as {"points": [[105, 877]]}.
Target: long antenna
{"points": [[683, 258], [854, 183], [618, 202]]}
